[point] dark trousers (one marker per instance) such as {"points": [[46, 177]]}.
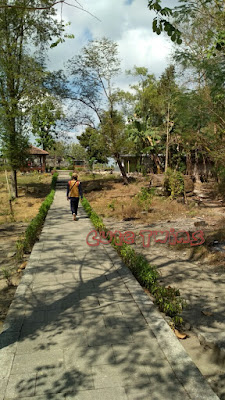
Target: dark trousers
{"points": [[74, 204]]}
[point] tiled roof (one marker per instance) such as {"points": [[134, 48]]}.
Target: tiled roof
{"points": [[36, 151]]}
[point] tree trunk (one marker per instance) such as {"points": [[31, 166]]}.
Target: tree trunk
{"points": [[122, 169], [205, 171], [14, 183], [157, 163], [167, 138], [196, 170], [188, 164]]}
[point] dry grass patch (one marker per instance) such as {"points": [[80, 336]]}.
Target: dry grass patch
{"points": [[120, 202], [32, 189]]}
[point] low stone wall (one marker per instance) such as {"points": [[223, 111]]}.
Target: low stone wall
{"points": [[97, 184]]}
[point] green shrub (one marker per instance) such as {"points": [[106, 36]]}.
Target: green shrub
{"points": [[144, 197], [5, 167], [174, 183], [112, 205], [79, 169], [168, 300], [34, 228], [19, 249]]}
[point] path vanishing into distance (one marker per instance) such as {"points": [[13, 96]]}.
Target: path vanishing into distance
{"points": [[81, 327]]}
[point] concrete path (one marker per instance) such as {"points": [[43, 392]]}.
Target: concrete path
{"points": [[81, 327]]}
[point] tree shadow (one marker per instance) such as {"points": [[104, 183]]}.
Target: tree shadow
{"points": [[74, 327]]}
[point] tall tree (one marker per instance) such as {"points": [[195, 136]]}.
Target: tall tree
{"points": [[154, 105], [92, 74], [45, 115], [77, 151], [167, 89], [20, 73], [59, 150], [38, 5], [91, 141], [114, 135], [203, 111]]}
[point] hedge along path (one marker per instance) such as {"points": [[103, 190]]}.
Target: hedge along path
{"points": [[34, 228], [167, 298]]}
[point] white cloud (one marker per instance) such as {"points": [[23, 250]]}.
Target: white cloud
{"points": [[139, 47], [130, 25]]}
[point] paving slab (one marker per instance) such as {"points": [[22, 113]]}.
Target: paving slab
{"points": [[81, 327]]}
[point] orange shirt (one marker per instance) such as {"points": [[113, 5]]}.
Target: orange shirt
{"points": [[73, 188]]}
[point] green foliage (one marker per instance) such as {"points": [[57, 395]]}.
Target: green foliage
{"points": [[112, 205], [166, 297], [221, 176], [95, 219], [19, 89], [154, 103], [79, 169], [174, 183], [58, 150], [19, 249], [34, 228], [93, 145], [77, 151], [92, 74], [186, 12], [61, 39], [146, 274], [86, 206], [45, 115], [144, 197], [168, 300], [161, 24], [113, 131], [22, 73]]}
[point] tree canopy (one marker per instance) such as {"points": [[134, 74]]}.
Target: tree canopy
{"points": [[172, 21], [44, 117], [92, 90], [22, 75]]}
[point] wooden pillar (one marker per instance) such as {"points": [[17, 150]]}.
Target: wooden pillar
{"points": [[44, 163], [128, 166]]}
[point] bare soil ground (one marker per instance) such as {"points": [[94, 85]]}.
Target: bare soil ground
{"points": [[199, 272], [33, 188]]}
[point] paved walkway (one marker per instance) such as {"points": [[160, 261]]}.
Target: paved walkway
{"points": [[80, 327]]}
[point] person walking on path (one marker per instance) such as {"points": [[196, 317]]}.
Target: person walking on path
{"points": [[74, 191]]}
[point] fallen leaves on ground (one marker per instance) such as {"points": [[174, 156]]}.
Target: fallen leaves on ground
{"points": [[180, 335], [22, 266], [207, 313]]}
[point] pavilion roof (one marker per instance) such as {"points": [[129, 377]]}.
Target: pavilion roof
{"points": [[35, 151]]}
